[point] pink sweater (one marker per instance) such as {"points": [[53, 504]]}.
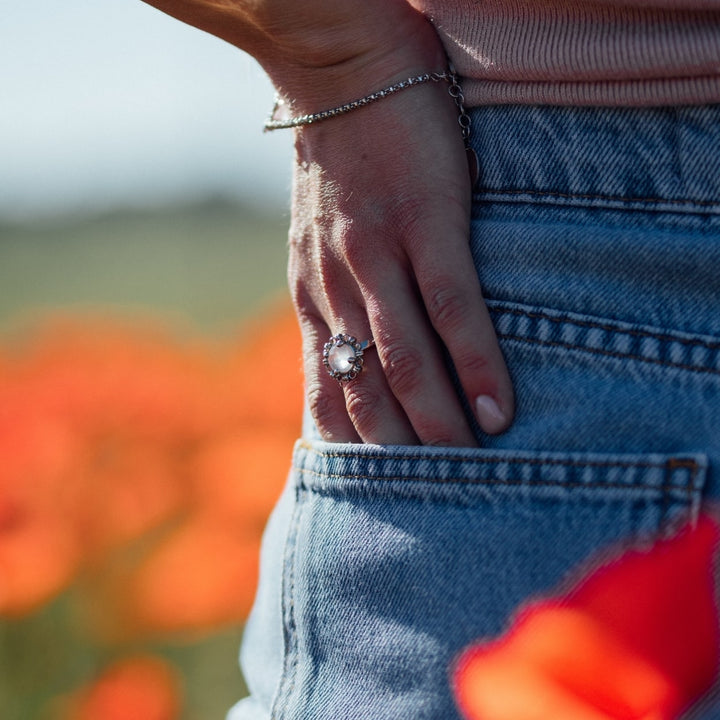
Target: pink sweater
{"points": [[586, 52]]}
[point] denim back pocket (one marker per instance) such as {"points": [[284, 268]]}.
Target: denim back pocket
{"points": [[397, 557]]}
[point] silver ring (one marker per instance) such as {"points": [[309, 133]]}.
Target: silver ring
{"points": [[343, 356]]}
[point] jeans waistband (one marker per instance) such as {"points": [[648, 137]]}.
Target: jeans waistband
{"points": [[669, 156]]}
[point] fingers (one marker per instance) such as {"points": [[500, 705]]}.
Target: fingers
{"points": [[326, 403], [404, 394], [453, 299], [413, 366], [362, 409], [375, 412]]}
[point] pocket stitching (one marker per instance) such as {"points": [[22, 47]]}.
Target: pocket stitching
{"points": [[669, 479], [678, 462], [666, 488], [666, 340], [649, 204], [604, 325], [611, 353]]}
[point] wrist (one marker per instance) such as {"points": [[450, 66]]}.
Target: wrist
{"points": [[352, 61]]}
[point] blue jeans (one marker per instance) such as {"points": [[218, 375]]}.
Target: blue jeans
{"points": [[596, 236]]}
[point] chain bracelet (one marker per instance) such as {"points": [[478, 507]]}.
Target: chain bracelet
{"points": [[449, 75], [456, 93]]}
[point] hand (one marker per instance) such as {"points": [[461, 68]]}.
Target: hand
{"points": [[380, 220], [379, 248]]}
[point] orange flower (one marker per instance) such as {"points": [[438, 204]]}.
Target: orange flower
{"points": [[39, 550], [120, 443], [38, 557], [637, 639], [264, 374], [238, 477], [204, 573], [201, 576], [141, 688], [83, 467]]}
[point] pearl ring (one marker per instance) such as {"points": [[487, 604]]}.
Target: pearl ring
{"points": [[343, 356]]}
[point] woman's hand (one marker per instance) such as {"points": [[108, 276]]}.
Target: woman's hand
{"points": [[380, 218], [379, 248]]}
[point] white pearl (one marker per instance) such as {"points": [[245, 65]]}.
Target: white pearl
{"points": [[341, 358]]}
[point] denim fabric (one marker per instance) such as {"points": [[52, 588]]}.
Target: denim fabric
{"points": [[596, 235]]}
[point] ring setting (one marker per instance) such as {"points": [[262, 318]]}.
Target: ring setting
{"points": [[343, 356]]}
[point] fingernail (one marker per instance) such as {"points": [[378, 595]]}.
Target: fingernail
{"points": [[491, 418]]}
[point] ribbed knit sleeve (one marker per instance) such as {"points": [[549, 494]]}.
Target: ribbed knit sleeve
{"points": [[582, 53]]}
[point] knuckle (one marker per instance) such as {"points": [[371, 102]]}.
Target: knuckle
{"points": [[323, 262], [446, 306], [403, 368], [362, 404], [312, 280], [474, 365], [348, 244], [410, 212], [357, 252]]}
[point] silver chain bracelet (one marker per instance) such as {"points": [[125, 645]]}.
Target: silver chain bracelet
{"points": [[449, 76]]}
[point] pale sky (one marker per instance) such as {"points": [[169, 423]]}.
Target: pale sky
{"points": [[110, 102]]}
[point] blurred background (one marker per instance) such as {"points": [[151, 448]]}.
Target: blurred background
{"points": [[149, 362]]}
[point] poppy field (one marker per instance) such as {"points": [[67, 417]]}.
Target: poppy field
{"points": [[148, 407]]}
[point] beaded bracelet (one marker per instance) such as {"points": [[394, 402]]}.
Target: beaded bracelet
{"points": [[448, 75]]}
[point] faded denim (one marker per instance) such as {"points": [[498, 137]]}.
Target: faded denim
{"points": [[596, 235]]}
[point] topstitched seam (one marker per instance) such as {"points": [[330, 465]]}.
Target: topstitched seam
{"points": [[592, 485], [494, 459], [615, 329], [290, 659], [679, 464], [611, 353], [591, 196]]}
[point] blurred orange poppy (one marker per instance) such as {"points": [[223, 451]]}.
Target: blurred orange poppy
{"points": [[147, 464], [637, 639], [142, 688]]}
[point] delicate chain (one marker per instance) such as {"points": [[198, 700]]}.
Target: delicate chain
{"points": [[456, 93], [448, 75], [272, 124]]}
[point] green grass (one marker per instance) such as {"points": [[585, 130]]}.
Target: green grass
{"points": [[208, 265]]}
